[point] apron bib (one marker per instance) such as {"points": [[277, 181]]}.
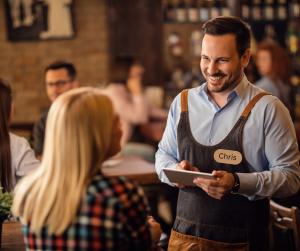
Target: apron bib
{"points": [[233, 223]]}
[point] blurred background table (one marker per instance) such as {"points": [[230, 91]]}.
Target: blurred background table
{"points": [[133, 167], [12, 237]]}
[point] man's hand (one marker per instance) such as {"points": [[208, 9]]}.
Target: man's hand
{"points": [[185, 165], [219, 188]]}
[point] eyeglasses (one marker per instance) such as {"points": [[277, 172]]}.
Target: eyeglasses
{"points": [[58, 83]]}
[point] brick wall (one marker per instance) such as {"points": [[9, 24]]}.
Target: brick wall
{"points": [[23, 63]]}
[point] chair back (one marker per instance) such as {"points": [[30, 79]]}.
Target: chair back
{"points": [[284, 227]]}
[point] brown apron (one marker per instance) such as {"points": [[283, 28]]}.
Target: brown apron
{"points": [[204, 223]]}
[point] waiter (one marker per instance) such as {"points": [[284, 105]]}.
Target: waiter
{"points": [[237, 132]]}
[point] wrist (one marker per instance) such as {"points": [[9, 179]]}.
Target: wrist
{"points": [[236, 184]]}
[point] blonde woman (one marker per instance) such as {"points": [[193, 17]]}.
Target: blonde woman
{"points": [[67, 204]]}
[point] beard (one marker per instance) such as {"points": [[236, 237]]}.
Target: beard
{"points": [[229, 82]]}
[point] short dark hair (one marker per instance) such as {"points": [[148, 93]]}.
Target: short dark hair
{"points": [[230, 25], [63, 64]]}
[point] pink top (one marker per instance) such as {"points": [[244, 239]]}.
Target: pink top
{"points": [[132, 109]]}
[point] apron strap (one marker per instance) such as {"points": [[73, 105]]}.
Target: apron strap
{"points": [[253, 102], [184, 103], [246, 112]]}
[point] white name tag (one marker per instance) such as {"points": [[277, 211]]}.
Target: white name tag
{"points": [[228, 157]]}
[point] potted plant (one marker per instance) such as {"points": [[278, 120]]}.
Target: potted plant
{"points": [[6, 200]]}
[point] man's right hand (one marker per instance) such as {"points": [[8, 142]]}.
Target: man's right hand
{"points": [[185, 165]]}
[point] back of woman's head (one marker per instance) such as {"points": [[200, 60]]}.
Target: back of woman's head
{"points": [[281, 62], [77, 141], [78, 127], [5, 153]]}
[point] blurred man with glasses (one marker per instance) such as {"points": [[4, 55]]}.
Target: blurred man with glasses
{"points": [[60, 76]]}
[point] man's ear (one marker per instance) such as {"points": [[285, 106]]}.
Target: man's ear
{"points": [[245, 58], [75, 84]]}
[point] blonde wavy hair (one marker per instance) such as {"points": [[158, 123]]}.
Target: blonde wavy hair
{"points": [[77, 141]]}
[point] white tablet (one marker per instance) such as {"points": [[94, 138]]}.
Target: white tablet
{"points": [[185, 177]]}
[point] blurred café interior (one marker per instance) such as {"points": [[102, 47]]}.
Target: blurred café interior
{"points": [[104, 39]]}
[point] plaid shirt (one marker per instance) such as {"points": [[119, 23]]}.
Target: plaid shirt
{"points": [[112, 217]]}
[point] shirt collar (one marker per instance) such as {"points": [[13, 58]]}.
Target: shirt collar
{"points": [[238, 91]]}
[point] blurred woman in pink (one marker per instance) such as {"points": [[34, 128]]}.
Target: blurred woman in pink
{"points": [[126, 92]]}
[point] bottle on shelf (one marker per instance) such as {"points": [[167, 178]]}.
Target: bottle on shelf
{"points": [[181, 12], [269, 14], [193, 11], [245, 10], [225, 11], [281, 10], [294, 9], [256, 10], [293, 38], [204, 11], [169, 11], [215, 9]]}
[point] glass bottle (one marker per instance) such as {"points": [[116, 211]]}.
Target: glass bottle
{"points": [[193, 12], [204, 11], [215, 9], [256, 10], [181, 13], [225, 11], [269, 10], [245, 10], [281, 10]]}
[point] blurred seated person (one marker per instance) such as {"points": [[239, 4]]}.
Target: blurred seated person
{"points": [[16, 157], [60, 76], [274, 66], [126, 93], [68, 204]]}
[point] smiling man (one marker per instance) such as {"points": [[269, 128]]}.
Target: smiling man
{"points": [[60, 77], [228, 115]]}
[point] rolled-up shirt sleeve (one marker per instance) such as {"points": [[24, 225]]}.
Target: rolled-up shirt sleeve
{"points": [[167, 155], [281, 151]]}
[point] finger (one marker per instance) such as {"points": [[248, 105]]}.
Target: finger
{"points": [[180, 185], [219, 174], [151, 220], [209, 182], [186, 165], [211, 190]]}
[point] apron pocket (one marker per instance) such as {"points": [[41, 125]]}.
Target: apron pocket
{"points": [[209, 245], [182, 242]]}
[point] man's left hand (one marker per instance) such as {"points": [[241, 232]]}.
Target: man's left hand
{"points": [[219, 188]]}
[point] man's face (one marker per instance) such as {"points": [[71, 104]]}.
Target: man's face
{"points": [[57, 82], [220, 62]]}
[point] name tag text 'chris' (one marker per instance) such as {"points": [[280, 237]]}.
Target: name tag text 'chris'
{"points": [[228, 157]]}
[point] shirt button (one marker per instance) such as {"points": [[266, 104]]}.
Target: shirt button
{"points": [[211, 140], [218, 113]]}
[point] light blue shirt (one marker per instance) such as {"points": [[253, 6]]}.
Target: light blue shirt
{"points": [[269, 139]]}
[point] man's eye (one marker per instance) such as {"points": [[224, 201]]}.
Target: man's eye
{"points": [[224, 60], [60, 82]]}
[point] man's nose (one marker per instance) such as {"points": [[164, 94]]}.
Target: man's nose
{"points": [[212, 68], [54, 88]]}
